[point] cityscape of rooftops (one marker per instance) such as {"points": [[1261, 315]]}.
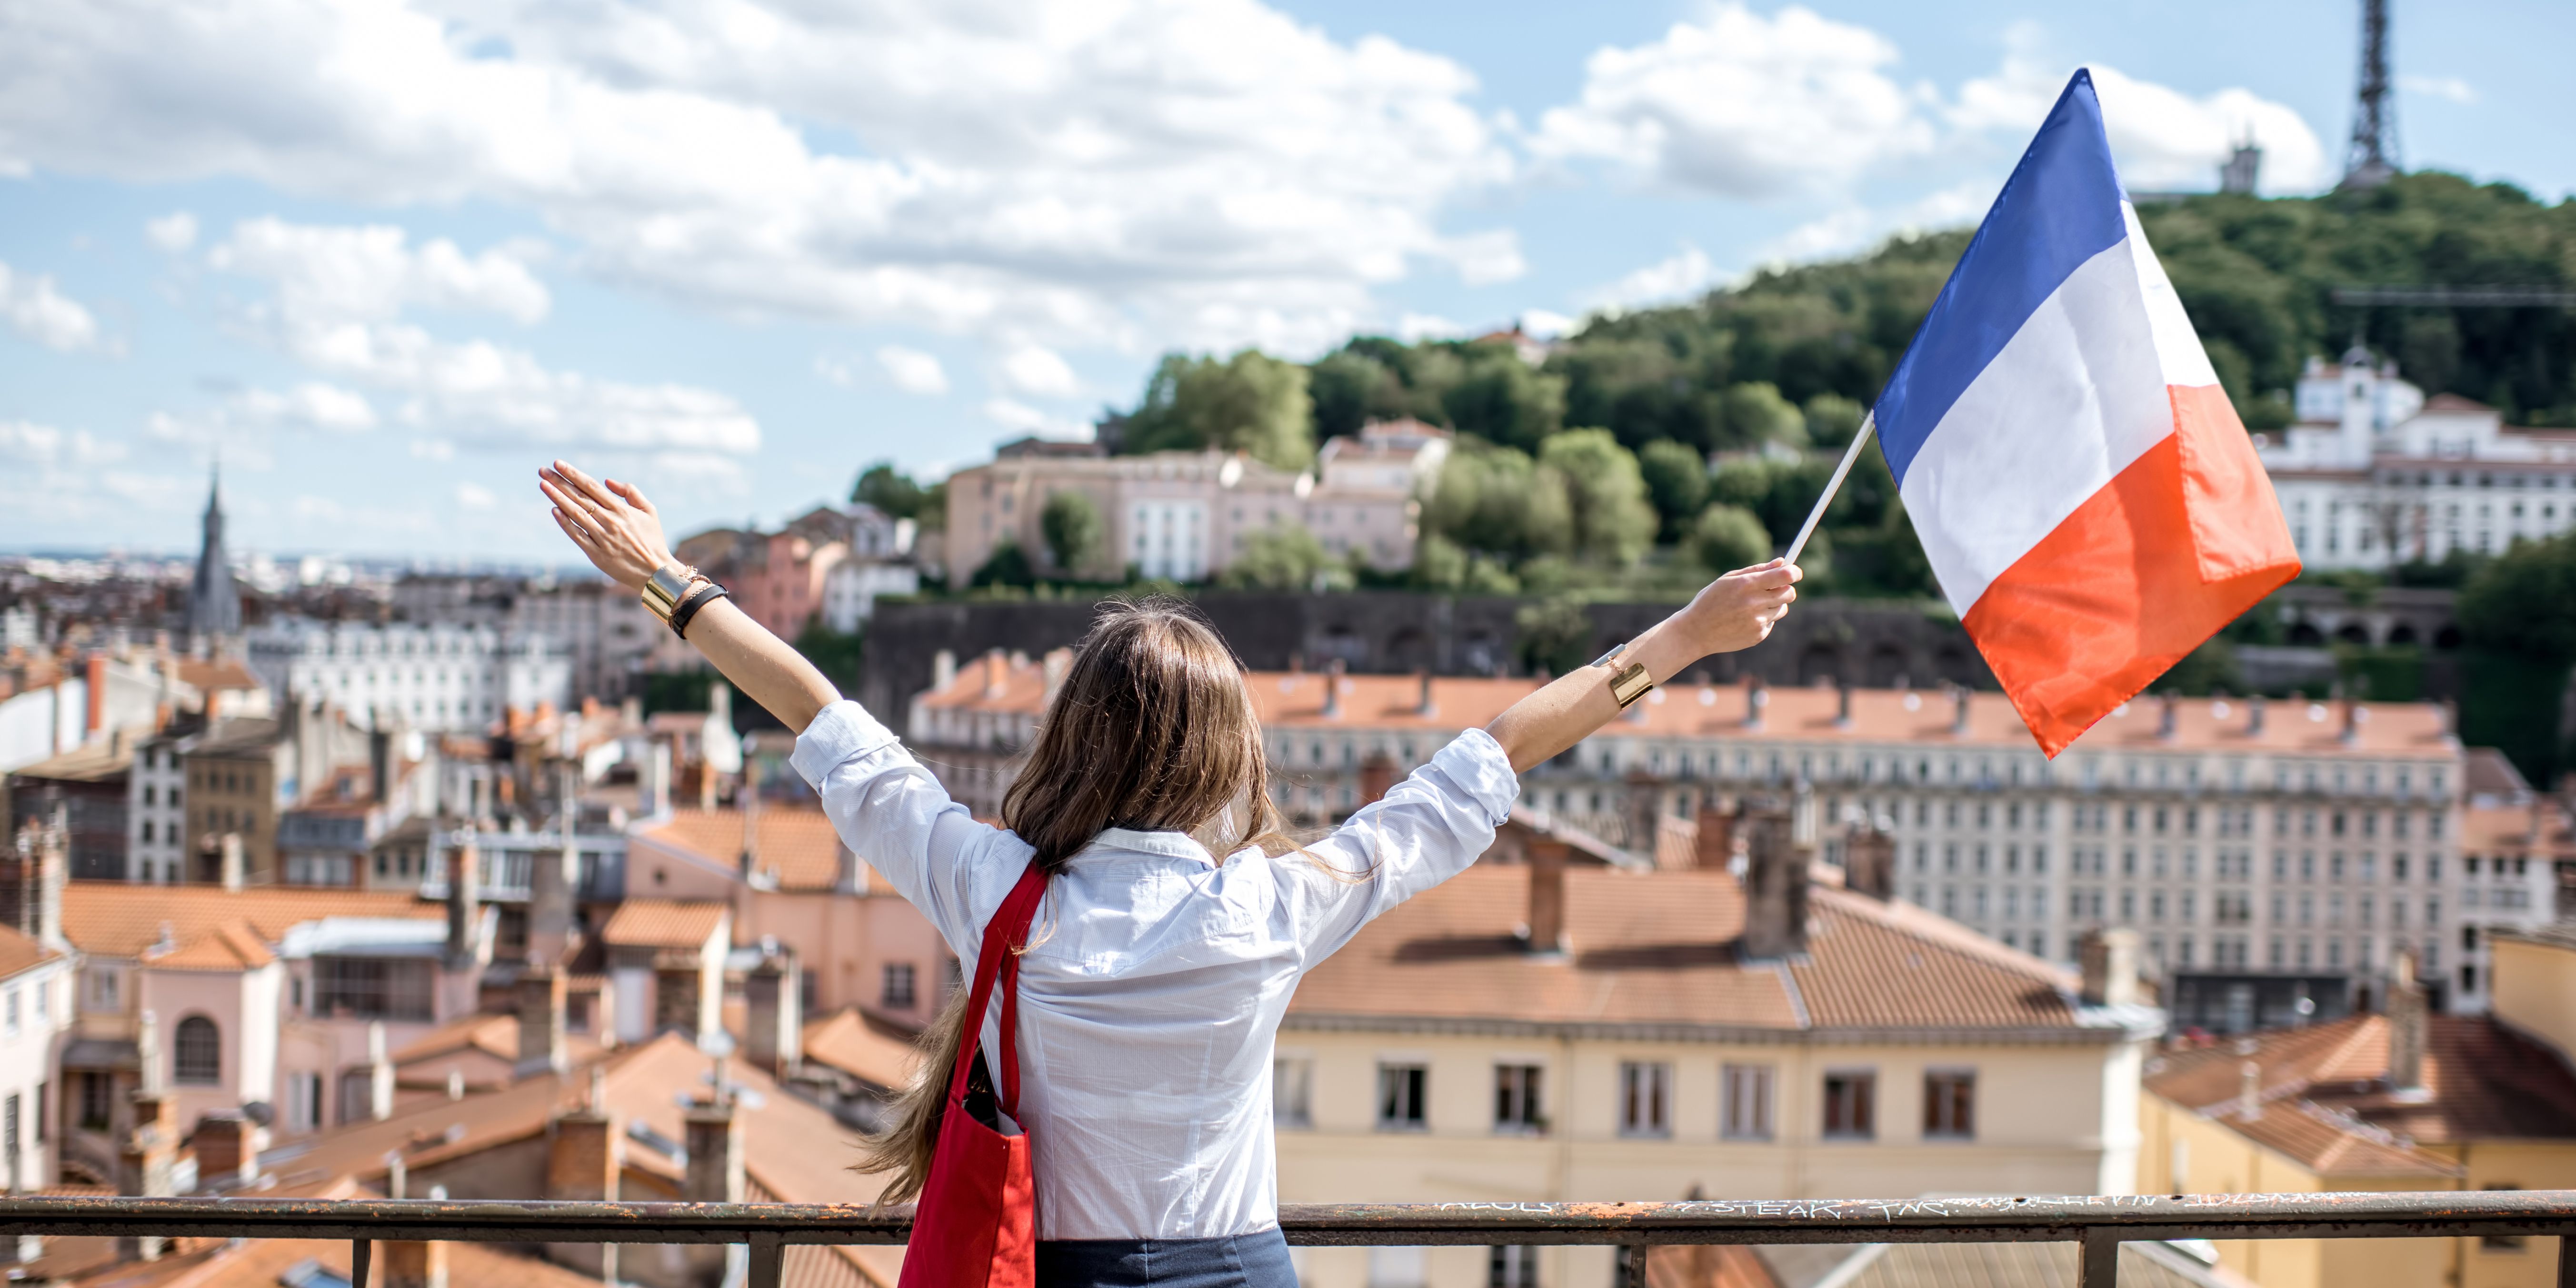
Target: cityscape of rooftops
{"points": [[365, 842]]}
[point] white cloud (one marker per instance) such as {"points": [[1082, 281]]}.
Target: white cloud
{"points": [[1681, 275], [2161, 137], [371, 273], [171, 233], [913, 371], [35, 310], [1413, 327], [475, 496], [28, 443], [2450, 87], [1040, 372], [1128, 173], [1852, 229], [1743, 105], [311, 405], [1547, 324], [340, 295], [433, 449], [1029, 420]]}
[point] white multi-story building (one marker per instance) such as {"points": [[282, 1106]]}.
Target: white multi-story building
{"points": [[436, 677], [852, 588], [605, 632], [2374, 473], [2265, 852], [1186, 515], [156, 812]]}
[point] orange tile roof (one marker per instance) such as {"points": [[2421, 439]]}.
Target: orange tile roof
{"points": [[121, 919], [2538, 830], [878, 1052], [663, 923], [228, 946], [2482, 1081], [1659, 948], [797, 847], [1296, 700], [19, 951], [223, 673]]}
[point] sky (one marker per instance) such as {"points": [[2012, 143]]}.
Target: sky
{"points": [[384, 258]]}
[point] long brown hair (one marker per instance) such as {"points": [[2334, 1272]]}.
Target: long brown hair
{"points": [[1153, 730]]}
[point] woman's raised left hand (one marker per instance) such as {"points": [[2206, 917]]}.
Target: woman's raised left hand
{"points": [[616, 528]]}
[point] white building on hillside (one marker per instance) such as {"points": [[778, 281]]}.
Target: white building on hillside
{"points": [[2374, 473], [437, 677]]}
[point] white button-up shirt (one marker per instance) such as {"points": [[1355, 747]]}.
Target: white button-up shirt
{"points": [[1152, 995]]}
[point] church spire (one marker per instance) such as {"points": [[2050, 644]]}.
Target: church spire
{"points": [[214, 604]]}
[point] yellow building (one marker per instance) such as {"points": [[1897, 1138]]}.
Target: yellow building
{"points": [[2395, 1101], [1550, 1031]]}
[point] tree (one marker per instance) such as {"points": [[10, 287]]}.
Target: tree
{"points": [[1555, 634], [1676, 481], [1605, 495], [1250, 403], [1009, 566], [1502, 399], [1073, 531], [1754, 413], [1350, 389], [1728, 537], [1832, 420], [1491, 500], [890, 490], [2524, 601], [1287, 557]]}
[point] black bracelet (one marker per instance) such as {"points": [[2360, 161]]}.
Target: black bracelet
{"points": [[687, 609]]}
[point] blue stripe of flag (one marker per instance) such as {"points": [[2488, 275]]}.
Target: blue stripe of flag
{"points": [[2060, 208]]}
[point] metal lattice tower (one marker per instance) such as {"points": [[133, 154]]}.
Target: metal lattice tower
{"points": [[2372, 159]]}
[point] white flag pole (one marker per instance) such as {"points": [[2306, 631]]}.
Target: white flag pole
{"points": [[1833, 485]]}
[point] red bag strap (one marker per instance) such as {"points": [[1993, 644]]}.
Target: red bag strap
{"points": [[1007, 932]]}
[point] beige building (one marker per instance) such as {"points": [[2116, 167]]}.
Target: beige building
{"points": [[2265, 852], [1558, 1029], [1186, 515], [2407, 1100]]}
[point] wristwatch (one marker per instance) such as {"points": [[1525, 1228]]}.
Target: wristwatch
{"points": [[1627, 683]]}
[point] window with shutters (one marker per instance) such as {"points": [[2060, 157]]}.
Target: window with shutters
{"points": [[1744, 1112], [1645, 1098], [1950, 1104], [1851, 1104]]}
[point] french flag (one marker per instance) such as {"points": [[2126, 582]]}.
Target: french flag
{"points": [[2086, 494]]}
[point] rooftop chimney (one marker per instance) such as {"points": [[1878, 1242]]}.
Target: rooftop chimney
{"points": [[997, 672], [585, 1152], [1546, 895], [1775, 885], [230, 862], [1869, 861], [1333, 690], [2110, 963], [1755, 698], [227, 1149], [750, 862], [656, 800], [464, 907], [715, 1148], [2249, 1091], [2355, 716], [773, 1022], [2406, 1028], [849, 875], [943, 669], [2167, 716], [1423, 705], [145, 1156], [2254, 716], [1714, 849], [1058, 663], [380, 764], [1842, 706], [1377, 777], [552, 876], [1959, 698], [380, 1074], [541, 1022]]}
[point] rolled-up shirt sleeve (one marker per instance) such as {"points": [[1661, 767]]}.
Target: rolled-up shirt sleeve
{"points": [[895, 815], [1426, 829]]}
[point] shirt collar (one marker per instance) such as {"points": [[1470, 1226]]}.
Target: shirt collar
{"points": [[1172, 845]]}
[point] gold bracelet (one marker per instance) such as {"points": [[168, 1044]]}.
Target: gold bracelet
{"points": [[668, 585], [1627, 683]]}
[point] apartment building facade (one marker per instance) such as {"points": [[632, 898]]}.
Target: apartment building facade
{"points": [[1187, 515], [437, 677], [2373, 473], [2269, 854]]}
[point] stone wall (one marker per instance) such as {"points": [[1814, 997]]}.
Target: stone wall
{"points": [[1821, 641]]}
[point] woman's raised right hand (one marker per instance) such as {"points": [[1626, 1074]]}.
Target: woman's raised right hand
{"points": [[616, 528], [1738, 610]]}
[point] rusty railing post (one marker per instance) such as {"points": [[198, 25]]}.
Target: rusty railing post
{"points": [[2100, 1253], [360, 1252], [2567, 1261]]}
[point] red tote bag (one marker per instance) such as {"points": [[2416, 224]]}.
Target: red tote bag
{"points": [[976, 1225]]}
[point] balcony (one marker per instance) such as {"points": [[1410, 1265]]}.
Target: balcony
{"points": [[2097, 1224]]}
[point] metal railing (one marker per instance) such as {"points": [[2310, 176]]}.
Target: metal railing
{"points": [[2098, 1224]]}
